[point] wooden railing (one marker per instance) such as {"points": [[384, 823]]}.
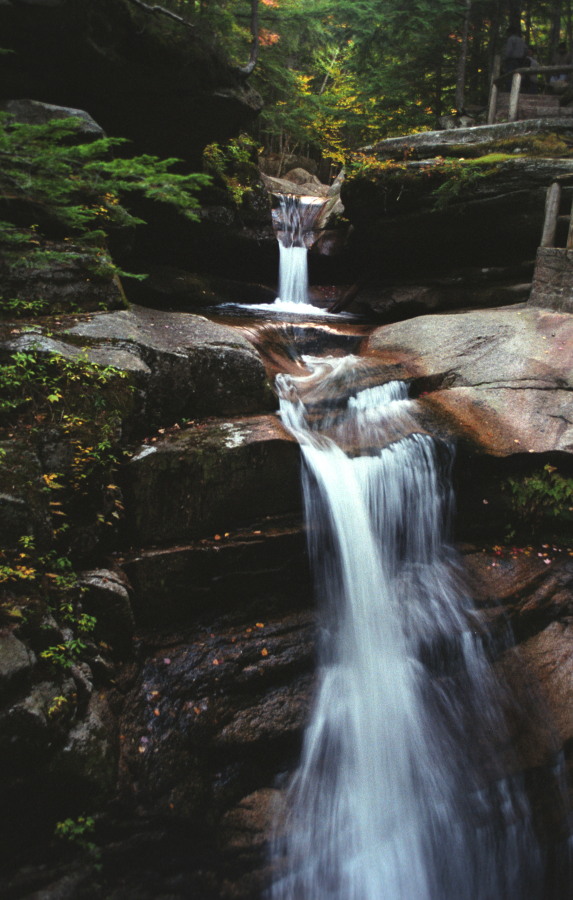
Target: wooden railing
{"points": [[516, 76], [552, 204]]}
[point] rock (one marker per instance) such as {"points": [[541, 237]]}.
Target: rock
{"points": [[170, 288], [300, 176], [196, 367], [63, 286], [403, 300], [312, 188], [106, 595], [15, 519], [88, 761], [211, 476], [27, 731], [24, 506], [550, 655], [34, 112], [16, 664], [457, 141], [433, 214], [182, 365], [244, 835], [247, 825], [176, 584], [503, 377], [194, 743], [281, 714], [552, 285], [276, 164]]}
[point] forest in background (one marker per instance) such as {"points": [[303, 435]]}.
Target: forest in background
{"points": [[335, 75]]}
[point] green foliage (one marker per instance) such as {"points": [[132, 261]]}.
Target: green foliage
{"points": [[51, 579], [83, 403], [57, 387], [463, 175], [542, 496], [79, 833], [15, 308], [74, 190], [233, 165]]}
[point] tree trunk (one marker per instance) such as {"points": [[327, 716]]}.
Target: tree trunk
{"points": [[247, 70], [555, 30], [514, 13], [463, 58]]}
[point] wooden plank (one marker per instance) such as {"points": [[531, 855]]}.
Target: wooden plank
{"points": [[551, 212]]}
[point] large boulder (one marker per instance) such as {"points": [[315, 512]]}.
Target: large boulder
{"points": [[181, 365], [469, 197], [211, 476], [502, 377]]}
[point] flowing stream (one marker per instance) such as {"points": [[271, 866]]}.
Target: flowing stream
{"points": [[402, 791]]}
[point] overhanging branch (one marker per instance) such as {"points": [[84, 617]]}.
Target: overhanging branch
{"points": [[246, 70], [155, 9]]}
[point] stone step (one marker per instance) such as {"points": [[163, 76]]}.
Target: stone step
{"points": [[177, 584], [208, 477]]}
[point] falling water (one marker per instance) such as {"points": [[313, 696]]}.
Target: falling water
{"points": [[402, 791], [297, 217]]}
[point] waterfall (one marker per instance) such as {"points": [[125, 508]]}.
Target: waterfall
{"points": [[405, 788], [297, 216]]}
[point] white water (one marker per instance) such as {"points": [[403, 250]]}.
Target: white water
{"points": [[402, 790]]}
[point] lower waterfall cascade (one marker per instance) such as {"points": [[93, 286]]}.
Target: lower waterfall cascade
{"points": [[406, 786]]}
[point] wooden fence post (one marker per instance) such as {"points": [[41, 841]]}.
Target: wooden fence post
{"points": [[569, 244], [514, 97], [551, 212], [492, 106]]}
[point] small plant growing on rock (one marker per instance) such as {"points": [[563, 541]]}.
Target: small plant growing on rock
{"points": [[542, 496], [79, 834]]}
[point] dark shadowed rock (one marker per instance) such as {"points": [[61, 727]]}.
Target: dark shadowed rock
{"points": [[63, 286], [432, 214], [211, 476], [16, 664], [159, 73], [211, 715], [106, 595], [178, 583]]}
